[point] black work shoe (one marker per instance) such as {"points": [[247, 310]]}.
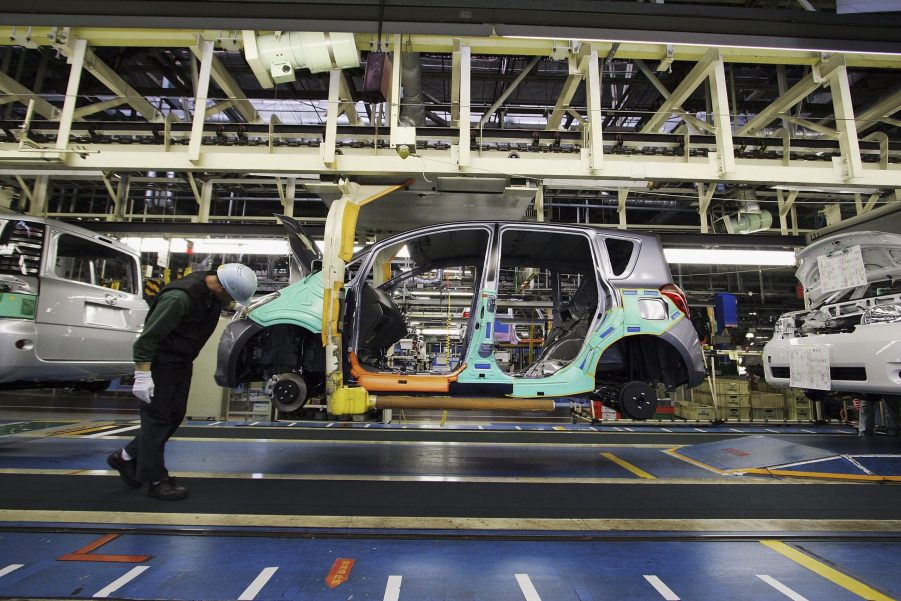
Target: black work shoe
{"points": [[168, 490], [127, 470]]}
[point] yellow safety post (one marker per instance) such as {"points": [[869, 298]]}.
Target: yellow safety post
{"points": [[340, 231]]}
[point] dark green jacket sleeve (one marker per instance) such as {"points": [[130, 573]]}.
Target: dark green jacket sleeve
{"points": [[170, 308]]}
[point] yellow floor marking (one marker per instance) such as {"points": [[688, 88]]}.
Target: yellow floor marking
{"points": [[776, 527], [83, 431], [625, 464], [831, 574], [800, 474]]}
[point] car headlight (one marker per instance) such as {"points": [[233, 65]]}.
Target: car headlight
{"points": [[881, 314]]}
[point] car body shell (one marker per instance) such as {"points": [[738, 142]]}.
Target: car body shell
{"points": [[626, 296], [59, 330], [864, 358]]}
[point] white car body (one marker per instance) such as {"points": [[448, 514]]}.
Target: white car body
{"points": [[860, 326]]}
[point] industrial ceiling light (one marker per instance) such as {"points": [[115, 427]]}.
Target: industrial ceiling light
{"points": [[730, 256]]}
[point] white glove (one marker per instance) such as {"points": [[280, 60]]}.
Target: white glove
{"points": [[143, 386]]}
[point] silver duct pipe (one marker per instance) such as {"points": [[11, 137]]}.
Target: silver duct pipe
{"points": [[412, 108]]}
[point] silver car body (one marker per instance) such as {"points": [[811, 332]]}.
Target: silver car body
{"points": [[71, 301], [860, 325]]}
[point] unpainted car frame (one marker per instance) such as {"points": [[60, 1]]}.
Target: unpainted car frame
{"points": [[624, 330]]}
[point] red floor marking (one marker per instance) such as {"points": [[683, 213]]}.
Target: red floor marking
{"points": [[340, 572], [83, 554]]}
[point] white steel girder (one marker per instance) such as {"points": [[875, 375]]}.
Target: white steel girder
{"points": [[882, 110], [230, 86], [367, 161], [19, 93], [692, 80], [66, 43], [807, 84]]}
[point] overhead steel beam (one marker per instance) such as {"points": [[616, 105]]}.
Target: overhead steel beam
{"points": [[327, 149], [230, 86], [591, 70], [97, 107], [347, 106], [689, 119], [845, 124], [691, 81], [372, 162], [510, 89], [200, 99], [8, 85], [105, 74], [880, 111], [76, 59], [722, 116], [566, 94], [810, 82]]}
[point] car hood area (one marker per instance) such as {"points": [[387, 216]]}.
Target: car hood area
{"points": [[881, 253]]}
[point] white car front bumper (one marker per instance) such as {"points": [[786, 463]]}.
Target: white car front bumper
{"points": [[867, 360]]}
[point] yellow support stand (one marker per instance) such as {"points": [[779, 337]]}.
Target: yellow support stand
{"points": [[340, 231]]}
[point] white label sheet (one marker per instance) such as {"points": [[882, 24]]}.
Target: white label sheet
{"points": [[809, 368]]}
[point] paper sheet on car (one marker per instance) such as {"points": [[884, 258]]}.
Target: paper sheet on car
{"points": [[842, 270], [809, 368]]}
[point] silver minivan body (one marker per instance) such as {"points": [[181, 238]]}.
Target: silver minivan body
{"points": [[71, 304]]}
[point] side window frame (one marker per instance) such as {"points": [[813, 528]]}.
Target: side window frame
{"points": [[50, 264]]}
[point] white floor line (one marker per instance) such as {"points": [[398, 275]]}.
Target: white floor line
{"points": [[699, 430], [737, 430], [592, 429], [518, 428], [12, 423], [115, 585], [808, 431], [527, 588], [10, 568], [257, 585], [368, 426], [292, 424], [661, 588], [330, 424], [392, 589], [782, 588], [214, 423], [481, 427], [773, 431], [617, 428], [630, 429], [111, 432]]}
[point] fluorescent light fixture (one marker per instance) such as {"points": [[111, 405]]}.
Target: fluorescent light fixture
{"points": [[827, 189], [592, 184], [441, 332], [439, 293], [730, 256], [662, 42]]}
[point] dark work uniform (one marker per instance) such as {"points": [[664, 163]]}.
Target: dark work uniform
{"points": [[181, 319]]}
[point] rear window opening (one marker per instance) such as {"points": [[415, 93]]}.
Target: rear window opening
{"points": [[620, 253]]}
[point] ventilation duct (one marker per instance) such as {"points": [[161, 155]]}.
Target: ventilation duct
{"points": [[412, 109], [274, 57]]}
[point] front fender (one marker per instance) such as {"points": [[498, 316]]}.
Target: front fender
{"points": [[231, 345]]}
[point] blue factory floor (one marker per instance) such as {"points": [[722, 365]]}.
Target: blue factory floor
{"points": [[489, 511]]}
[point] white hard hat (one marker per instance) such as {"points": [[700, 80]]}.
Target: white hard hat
{"points": [[238, 280]]}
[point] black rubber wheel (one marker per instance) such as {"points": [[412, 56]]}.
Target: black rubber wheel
{"points": [[638, 400], [289, 393]]}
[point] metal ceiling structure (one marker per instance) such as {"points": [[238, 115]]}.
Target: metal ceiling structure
{"points": [[679, 118]]}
